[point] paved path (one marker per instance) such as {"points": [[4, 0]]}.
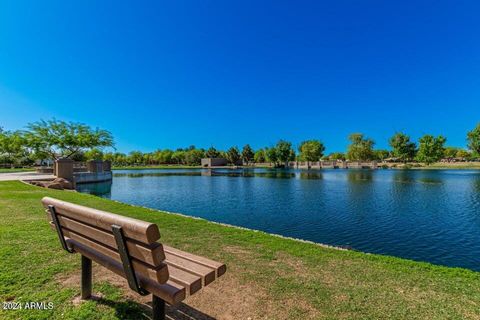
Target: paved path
{"points": [[30, 175]]}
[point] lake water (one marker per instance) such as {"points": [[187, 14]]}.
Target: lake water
{"points": [[426, 215]]}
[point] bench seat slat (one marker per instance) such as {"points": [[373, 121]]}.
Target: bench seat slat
{"points": [[159, 273], [152, 254], [191, 282], [170, 291], [207, 274], [220, 268]]}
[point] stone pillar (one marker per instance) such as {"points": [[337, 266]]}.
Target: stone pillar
{"points": [[95, 166], [64, 169], [107, 166]]}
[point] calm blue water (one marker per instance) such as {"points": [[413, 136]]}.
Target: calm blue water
{"points": [[425, 215]]}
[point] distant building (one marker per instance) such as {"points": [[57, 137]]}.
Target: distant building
{"points": [[214, 162]]}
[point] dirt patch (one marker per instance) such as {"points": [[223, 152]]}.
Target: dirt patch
{"points": [[226, 298], [238, 251], [290, 265]]}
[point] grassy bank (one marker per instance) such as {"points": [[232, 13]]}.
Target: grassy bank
{"points": [[4, 170], [454, 165], [435, 166], [267, 276]]}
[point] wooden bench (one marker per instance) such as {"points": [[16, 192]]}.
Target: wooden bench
{"points": [[129, 248]]}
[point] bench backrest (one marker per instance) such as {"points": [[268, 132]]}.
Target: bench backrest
{"points": [[90, 231]]}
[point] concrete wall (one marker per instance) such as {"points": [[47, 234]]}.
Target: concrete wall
{"points": [[64, 169], [89, 177], [98, 171], [95, 166], [362, 165], [334, 164], [214, 162]]}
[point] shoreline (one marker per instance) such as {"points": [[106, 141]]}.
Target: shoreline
{"points": [[393, 166]]}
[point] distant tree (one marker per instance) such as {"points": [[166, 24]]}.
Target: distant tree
{"points": [[162, 156], [337, 156], [60, 139], [94, 154], [360, 148], [284, 152], [79, 156], [233, 155], [135, 158], [293, 155], [271, 155], [463, 154], [381, 154], [166, 156], [473, 138], [212, 153], [259, 156], [178, 157], [156, 155], [402, 147], [109, 156], [311, 150], [194, 157], [13, 146], [431, 149], [450, 152], [247, 154], [120, 158], [148, 158]]}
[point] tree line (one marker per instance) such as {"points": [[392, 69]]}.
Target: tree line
{"points": [[56, 139]]}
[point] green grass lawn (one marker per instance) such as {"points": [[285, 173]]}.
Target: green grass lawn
{"points": [[5, 170], [434, 166], [267, 276], [454, 165]]}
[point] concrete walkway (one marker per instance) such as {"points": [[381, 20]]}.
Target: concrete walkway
{"points": [[30, 175]]}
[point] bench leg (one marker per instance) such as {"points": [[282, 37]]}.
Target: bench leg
{"points": [[86, 278], [158, 308]]}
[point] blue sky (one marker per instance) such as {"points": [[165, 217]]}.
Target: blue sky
{"points": [[170, 74]]}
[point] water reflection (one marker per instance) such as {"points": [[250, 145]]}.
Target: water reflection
{"points": [[476, 185], [156, 174], [359, 175], [430, 181], [311, 175], [276, 174], [101, 189], [403, 176], [243, 173]]}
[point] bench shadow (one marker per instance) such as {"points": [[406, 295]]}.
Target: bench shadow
{"points": [[183, 311], [133, 310]]}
